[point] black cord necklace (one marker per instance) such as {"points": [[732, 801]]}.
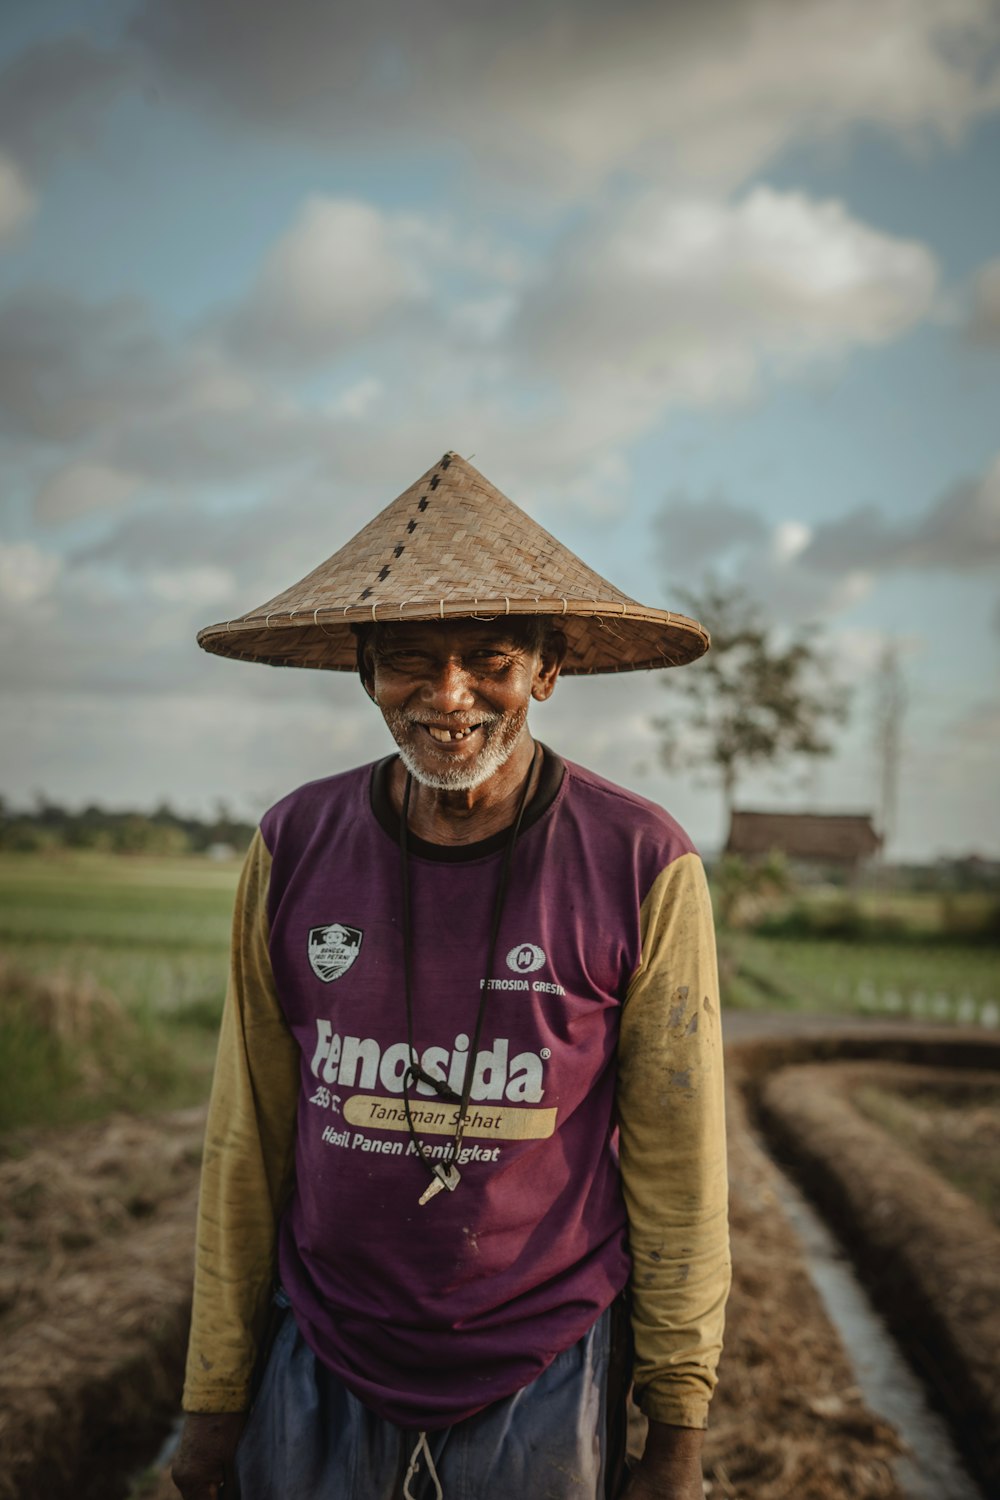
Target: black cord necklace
{"points": [[446, 1174]]}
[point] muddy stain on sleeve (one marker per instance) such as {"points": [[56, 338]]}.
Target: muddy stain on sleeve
{"points": [[676, 1013]]}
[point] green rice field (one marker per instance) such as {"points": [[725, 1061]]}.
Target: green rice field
{"points": [[928, 980], [113, 971], [112, 977], [177, 902]]}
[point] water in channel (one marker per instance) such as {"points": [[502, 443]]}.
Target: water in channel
{"points": [[932, 1469]]}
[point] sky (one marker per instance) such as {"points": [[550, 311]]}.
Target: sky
{"points": [[706, 290]]}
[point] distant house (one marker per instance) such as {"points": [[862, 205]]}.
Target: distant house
{"points": [[820, 840]]}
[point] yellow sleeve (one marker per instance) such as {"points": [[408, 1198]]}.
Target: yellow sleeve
{"points": [[248, 1164], [673, 1150]]}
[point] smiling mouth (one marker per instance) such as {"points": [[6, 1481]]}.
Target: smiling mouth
{"points": [[443, 736]]}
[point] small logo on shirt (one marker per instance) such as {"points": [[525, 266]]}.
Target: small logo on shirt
{"points": [[525, 958], [333, 949]]}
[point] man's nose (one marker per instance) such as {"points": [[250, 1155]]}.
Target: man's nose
{"points": [[448, 688]]}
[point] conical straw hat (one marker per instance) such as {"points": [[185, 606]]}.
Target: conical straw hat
{"points": [[453, 547]]}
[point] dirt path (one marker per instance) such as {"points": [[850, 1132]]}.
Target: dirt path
{"points": [[95, 1285]]}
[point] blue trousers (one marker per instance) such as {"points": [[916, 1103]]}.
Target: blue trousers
{"points": [[308, 1438]]}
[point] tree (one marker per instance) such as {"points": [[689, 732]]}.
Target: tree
{"points": [[752, 700], [742, 889]]}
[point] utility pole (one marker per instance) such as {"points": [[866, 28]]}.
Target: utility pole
{"points": [[891, 700]]}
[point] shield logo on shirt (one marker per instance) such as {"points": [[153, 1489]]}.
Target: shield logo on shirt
{"points": [[333, 949]]}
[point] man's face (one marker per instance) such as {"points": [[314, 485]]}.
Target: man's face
{"points": [[455, 696]]}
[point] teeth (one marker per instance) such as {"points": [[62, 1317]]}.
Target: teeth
{"points": [[445, 736]]}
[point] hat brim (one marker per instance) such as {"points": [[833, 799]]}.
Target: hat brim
{"points": [[601, 635]]}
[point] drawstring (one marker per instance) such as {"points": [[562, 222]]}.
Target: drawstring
{"points": [[415, 1073], [422, 1447]]}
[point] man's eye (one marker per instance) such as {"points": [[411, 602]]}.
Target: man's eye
{"points": [[489, 660], [404, 661]]}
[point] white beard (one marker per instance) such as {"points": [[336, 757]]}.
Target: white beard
{"points": [[501, 734]]}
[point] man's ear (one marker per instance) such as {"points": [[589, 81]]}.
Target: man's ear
{"points": [[550, 660], [366, 668]]}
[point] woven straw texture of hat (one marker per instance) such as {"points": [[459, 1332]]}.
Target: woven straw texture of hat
{"points": [[453, 547]]}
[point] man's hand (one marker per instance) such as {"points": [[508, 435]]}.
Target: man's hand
{"points": [[203, 1465], [670, 1467]]}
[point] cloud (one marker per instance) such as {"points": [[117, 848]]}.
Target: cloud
{"points": [[960, 532], [79, 488], [198, 586], [567, 90], [187, 745], [69, 367], [126, 407], [802, 573], [714, 536], [53, 98], [257, 547], [980, 724], [70, 628], [17, 200], [331, 280], [651, 303], [692, 300], [694, 535], [27, 574], [95, 387], [193, 441], [359, 398], [983, 318]]}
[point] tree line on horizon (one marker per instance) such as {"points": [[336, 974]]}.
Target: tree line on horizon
{"points": [[49, 826]]}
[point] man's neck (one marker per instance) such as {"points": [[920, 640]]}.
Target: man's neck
{"points": [[467, 817]]}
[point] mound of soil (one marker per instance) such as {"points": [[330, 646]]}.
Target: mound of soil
{"points": [[95, 1287], [948, 1121], [929, 1254]]}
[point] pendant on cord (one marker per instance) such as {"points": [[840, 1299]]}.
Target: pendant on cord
{"points": [[444, 1177]]}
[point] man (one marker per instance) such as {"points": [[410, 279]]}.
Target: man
{"points": [[469, 1078]]}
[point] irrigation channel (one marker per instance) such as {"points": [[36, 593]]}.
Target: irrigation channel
{"points": [[889, 1223], [932, 1468]]}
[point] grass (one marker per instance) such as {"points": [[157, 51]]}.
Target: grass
{"points": [[151, 931], [928, 981], [927, 955], [112, 982], [122, 902]]}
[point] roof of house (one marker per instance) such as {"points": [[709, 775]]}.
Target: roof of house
{"points": [[824, 837]]}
